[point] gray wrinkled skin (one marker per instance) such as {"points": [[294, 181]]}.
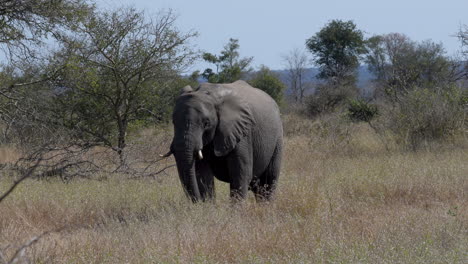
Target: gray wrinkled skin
{"points": [[239, 132]]}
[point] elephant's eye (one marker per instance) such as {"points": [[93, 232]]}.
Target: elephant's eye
{"points": [[206, 123]]}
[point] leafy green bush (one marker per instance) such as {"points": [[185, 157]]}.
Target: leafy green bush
{"points": [[425, 115], [360, 110], [328, 98], [269, 82]]}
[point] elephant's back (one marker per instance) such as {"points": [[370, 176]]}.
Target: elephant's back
{"points": [[256, 98], [264, 109]]}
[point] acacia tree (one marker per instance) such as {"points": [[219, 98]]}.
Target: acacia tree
{"points": [[400, 64], [113, 66], [230, 66], [24, 24], [296, 62], [27, 22], [336, 49]]}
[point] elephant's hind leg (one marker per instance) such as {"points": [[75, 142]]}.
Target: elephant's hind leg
{"points": [[266, 185]]}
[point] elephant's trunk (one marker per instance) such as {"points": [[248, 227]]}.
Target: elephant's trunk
{"points": [[185, 158], [186, 168]]}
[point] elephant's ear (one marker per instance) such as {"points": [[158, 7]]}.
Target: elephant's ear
{"points": [[235, 121]]}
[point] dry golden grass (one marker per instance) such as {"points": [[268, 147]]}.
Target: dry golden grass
{"points": [[9, 154], [339, 201]]}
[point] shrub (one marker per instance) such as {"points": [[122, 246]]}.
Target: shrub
{"points": [[328, 98], [425, 115], [269, 82], [360, 110]]}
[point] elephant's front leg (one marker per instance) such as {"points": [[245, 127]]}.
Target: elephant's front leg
{"points": [[205, 180], [240, 164]]}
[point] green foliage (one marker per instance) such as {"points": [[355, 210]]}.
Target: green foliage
{"points": [[400, 63], [229, 66], [269, 82], [24, 25], [328, 98], [426, 114], [21, 102], [163, 98], [31, 20], [337, 47], [417, 115], [360, 110], [121, 68]]}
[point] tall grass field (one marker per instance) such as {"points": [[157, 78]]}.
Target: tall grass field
{"points": [[349, 199]]}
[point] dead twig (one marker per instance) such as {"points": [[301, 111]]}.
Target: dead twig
{"points": [[152, 175], [20, 251], [26, 175]]}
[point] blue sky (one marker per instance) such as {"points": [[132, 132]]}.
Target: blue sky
{"points": [[269, 29]]}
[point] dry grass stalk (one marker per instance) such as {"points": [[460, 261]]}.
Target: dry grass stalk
{"points": [[353, 203]]}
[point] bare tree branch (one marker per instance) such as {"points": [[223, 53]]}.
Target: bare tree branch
{"points": [[296, 62], [26, 175]]}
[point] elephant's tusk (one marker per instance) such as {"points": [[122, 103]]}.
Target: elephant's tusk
{"points": [[200, 155], [166, 155]]}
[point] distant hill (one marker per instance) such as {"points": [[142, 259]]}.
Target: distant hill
{"points": [[364, 78]]}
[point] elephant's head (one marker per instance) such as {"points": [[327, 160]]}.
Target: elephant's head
{"points": [[218, 118]]}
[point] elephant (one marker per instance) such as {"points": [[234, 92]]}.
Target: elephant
{"points": [[229, 131]]}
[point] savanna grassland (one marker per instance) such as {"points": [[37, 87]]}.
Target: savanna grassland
{"points": [[351, 197]]}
